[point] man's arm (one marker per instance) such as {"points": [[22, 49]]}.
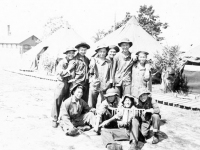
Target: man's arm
{"points": [[65, 117], [114, 67]]}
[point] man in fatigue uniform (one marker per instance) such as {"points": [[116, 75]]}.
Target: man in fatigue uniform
{"points": [[62, 89], [79, 67], [121, 72]]}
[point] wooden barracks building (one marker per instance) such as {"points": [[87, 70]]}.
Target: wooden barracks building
{"points": [[21, 43]]}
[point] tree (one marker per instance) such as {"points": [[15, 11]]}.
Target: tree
{"points": [[124, 21], [150, 22], [99, 35], [52, 25]]}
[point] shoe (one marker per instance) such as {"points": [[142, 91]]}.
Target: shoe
{"points": [[84, 128], [54, 124], [155, 138], [114, 146], [133, 146]]}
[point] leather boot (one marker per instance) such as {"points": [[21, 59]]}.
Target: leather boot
{"points": [[155, 138]]}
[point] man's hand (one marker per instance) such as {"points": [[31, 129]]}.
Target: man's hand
{"points": [[72, 80], [93, 110], [121, 124], [66, 72], [104, 123], [148, 111]]}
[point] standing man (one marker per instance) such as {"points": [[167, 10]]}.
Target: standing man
{"points": [[62, 89], [100, 70], [79, 67], [121, 72]]}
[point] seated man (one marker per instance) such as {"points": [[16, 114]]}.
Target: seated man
{"points": [[75, 112], [150, 116], [124, 132], [105, 109]]}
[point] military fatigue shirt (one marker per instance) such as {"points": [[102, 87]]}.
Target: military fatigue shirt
{"points": [[79, 67], [121, 68], [72, 110], [102, 73]]}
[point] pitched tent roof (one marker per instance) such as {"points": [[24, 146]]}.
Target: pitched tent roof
{"points": [[132, 30], [53, 46], [193, 54]]}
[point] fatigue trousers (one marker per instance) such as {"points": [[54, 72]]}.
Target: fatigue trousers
{"points": [[124, 89], [60, 94], [142, 126], [93, 97], [84, 119], [137, 128]]}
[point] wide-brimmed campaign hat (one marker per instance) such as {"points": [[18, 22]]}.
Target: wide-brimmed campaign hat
{"points": [[82, 44], [75, 86], [125, 40], [112, 92], [113, 47], [100, 47], [69, 49], [144, 52], [129, 96], [143, 91]]}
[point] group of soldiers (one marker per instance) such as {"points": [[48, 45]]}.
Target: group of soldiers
{"points": [[108, 94]]}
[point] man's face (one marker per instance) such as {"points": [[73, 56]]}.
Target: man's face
{"points": [[125, 47], [127, 102], [111, 53], [144, 97], [70, 54], [82, 50], [78, 93], [142, 58], [111, 99], [102, 53]]}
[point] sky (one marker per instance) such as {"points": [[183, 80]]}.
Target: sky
{"points": [[86, 17]]}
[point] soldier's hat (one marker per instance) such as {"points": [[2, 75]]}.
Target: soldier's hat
{"points": [[69, 49], [75, 86], [100, 47], [112, 92], [125, 40], [82, 44], [114, 47], [144, 52]]}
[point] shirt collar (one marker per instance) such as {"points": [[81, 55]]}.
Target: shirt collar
{"points": [[79, 57], [73, 99], [102, 62], [126, 57]]}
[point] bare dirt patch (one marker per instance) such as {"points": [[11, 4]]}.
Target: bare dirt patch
{"points": [[25, 106]]}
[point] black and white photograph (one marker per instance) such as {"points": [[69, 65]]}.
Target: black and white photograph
{"points": [[99, 75]]}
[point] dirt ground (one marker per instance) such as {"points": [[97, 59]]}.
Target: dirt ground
{"points": [[25, 106]]}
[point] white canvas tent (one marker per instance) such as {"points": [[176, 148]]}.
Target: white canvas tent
{"points": [[132, 30], [52, 46]]}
